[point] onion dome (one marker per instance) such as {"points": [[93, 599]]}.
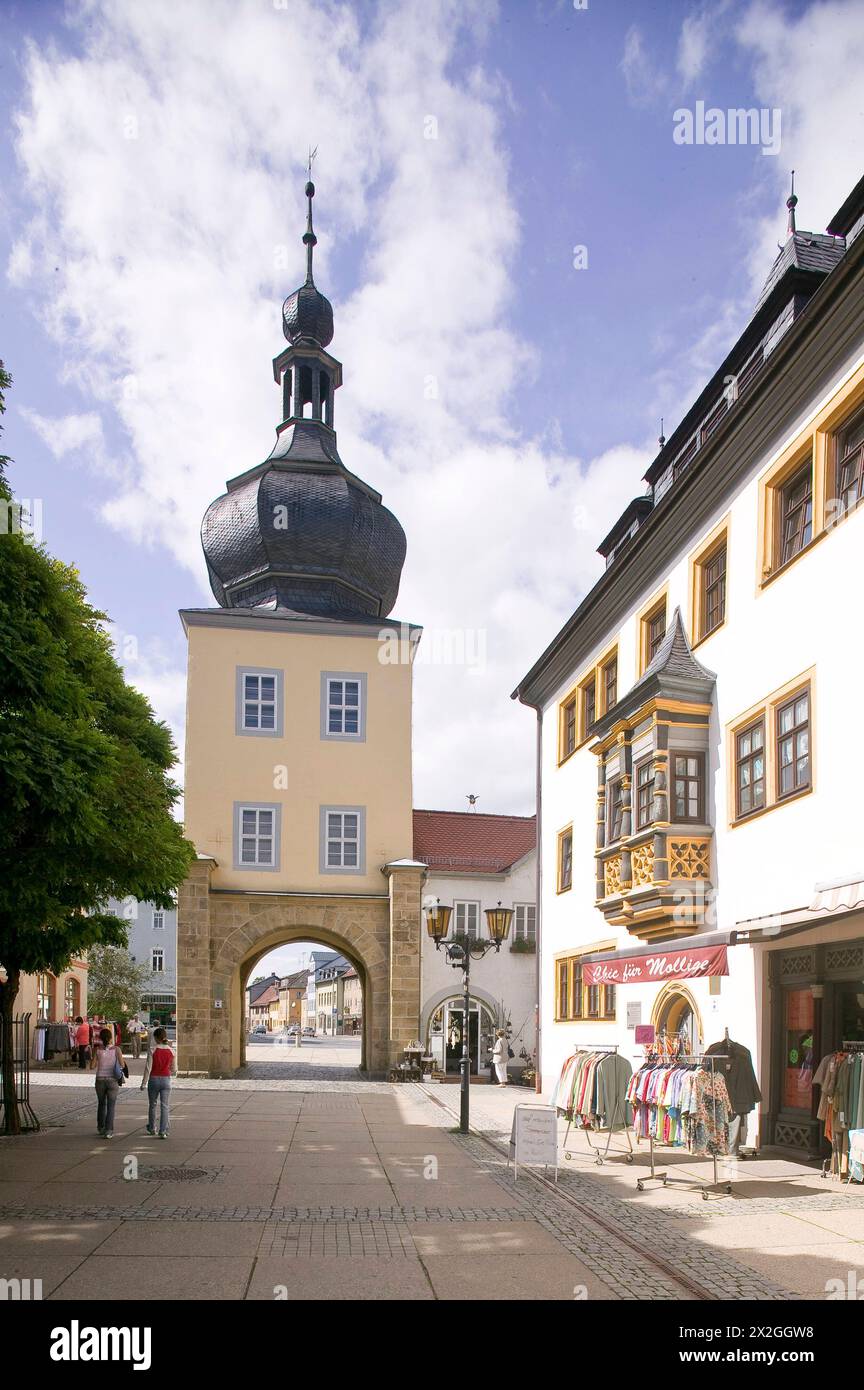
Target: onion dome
{"points": [[299, 533]]}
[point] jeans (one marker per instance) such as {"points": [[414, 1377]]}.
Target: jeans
{"points": [[106, 1094], [82, 1056], [159, 1092]]}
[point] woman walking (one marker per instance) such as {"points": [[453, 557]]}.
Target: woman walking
{"points": [[499, 1057], [108, 1062], [159, 1068]]}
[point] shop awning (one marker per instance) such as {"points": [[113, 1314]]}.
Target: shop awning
{"points": [[701, 957], [838, 895]]}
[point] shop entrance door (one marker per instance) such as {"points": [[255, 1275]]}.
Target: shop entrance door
{"points": [[850, 1013], [453, 1035]]}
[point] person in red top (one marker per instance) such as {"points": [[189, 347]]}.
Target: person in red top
{"points": [[82, 1041], [159, 1068]]}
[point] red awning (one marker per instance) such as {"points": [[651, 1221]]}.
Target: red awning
{"points": [[676, 963]]}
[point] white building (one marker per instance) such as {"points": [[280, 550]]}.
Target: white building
{"points": [[152, 942], [476, 861], [700, 765]]}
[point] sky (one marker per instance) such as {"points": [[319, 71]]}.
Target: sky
{"points": [[527, 271]]}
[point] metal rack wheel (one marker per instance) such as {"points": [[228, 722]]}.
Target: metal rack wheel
{"points": [[629, 1158], [567, 1155], [640, 1186], [704, 1195], [599, 1162]]}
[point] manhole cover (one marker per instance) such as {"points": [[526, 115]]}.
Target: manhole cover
{"points": [[177, 1173]]}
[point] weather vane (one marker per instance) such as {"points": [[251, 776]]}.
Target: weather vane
{"points": [[312, 154]]}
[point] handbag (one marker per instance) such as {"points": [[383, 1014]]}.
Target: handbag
{"points": [[121, 1071], [510, 1053]]}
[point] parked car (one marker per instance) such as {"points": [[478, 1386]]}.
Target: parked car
{"points": [[308, 1032], [260, 1028]]}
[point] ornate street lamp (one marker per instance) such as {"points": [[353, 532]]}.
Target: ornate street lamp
{"points": [[460, 951]]}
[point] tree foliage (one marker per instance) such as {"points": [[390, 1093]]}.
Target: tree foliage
{"points": [[115, 983], [85, 788]]}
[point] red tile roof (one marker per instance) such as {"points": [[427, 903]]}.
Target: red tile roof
{"points": [[471, 841]]}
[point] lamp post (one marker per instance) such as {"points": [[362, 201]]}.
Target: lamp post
{"points": [[460, 951]]}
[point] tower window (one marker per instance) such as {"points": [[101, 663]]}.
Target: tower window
{"points": [[343, 705], [256, 835], [342, 835], [259, 702]]}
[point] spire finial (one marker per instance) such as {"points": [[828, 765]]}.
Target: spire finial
{"points": [[309, 238], [661, 439], [791, 203]]}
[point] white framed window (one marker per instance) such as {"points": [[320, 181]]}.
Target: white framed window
{"points": [[466, 919], [157, 960], [343, 705], [342, 834], [158, 921], [256, 835], [259, 702], [525, 921]]}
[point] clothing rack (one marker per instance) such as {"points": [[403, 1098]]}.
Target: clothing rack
{"points": [[717, 1183], [832, 1167], [600, 1155]]}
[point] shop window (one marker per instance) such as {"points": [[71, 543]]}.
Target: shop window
{"points": [[45, 996], [688, 787], [798, 1045], [565, 860]]}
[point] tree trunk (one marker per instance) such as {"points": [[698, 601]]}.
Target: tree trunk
{"points": [[8, 995]]}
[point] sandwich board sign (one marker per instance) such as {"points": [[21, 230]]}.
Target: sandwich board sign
{"points": [[534, 1138]]}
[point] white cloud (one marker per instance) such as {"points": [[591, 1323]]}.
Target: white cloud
{"points": [[644, 79], [810, 66], [699, 39]]}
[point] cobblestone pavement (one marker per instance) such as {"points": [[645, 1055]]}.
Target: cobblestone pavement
{"points": [[317, 1059], [323, 1176]]}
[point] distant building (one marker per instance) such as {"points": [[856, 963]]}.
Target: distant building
{"points": [[253, 997], [52, 998], [152, 942], [329, 995], [352, 1002], [292, 992], [265, 1009], [474, 862]]}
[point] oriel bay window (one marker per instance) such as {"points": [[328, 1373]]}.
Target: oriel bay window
{"points": [[688, 787], [616, 809], [644, 794]]}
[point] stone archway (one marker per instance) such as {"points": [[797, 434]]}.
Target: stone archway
{"points": [[221, 934]]}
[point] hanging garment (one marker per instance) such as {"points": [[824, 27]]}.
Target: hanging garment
{"points": [[738, 1073], [710, 1112]]}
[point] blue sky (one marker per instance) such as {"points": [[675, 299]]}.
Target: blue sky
{"points": [[152, 175]]}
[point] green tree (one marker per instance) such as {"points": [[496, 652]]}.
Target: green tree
{"points": [[115, 983], [85, 790]]}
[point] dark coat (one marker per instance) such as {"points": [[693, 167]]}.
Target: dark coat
{"points": [[738, 1073]]}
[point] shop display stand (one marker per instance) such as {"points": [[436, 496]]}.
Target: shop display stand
{"points": [[620, 1112], [833, 1167], [717, 1184]]}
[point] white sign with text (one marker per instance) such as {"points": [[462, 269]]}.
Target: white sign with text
{"points": [[534, 1137]]}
